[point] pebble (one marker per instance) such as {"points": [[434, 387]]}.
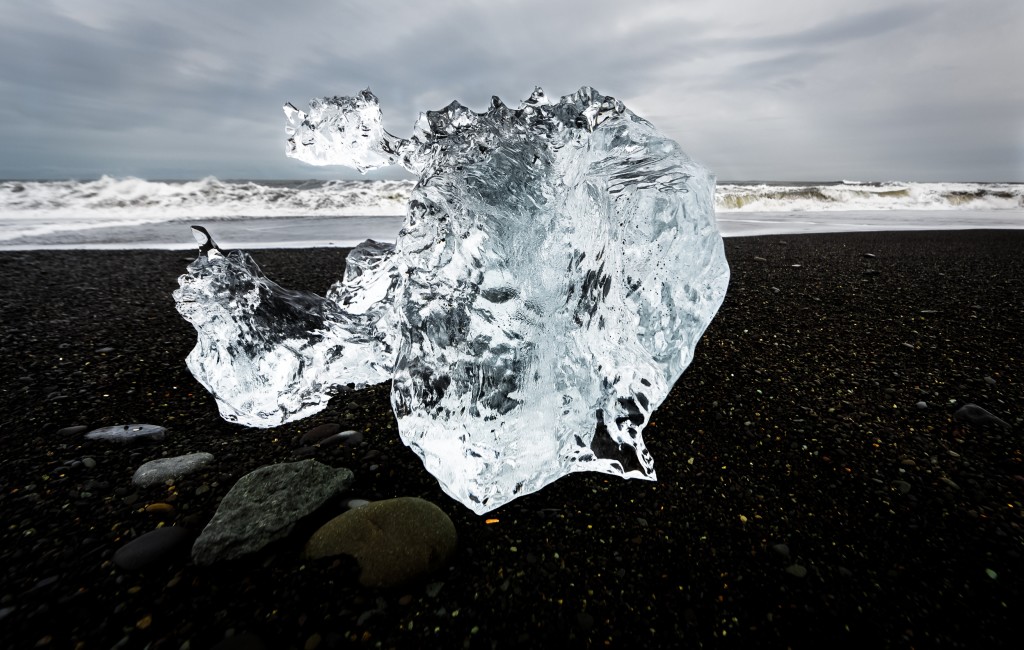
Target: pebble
{"points": [[352, 504], [153, 547], [394, 540], [759, 259], [922, 405], [72, 430], [990, 381], [781, 549], [128, 433], [160, 470], [902, 486], [974, 414], [434, 588], [89, 462], [322, 432], [304, 452], [796, 570], [350, 438]]}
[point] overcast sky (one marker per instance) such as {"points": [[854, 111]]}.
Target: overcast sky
{"points": [[780, 90]]}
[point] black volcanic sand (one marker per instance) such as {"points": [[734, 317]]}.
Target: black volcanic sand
{"points": [[797, 424]]}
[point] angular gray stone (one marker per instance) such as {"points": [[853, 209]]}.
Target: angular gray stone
{"points": [[264, 506], [157, 471]]}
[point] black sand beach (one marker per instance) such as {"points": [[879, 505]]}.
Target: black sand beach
{"points": [[818, 415]]}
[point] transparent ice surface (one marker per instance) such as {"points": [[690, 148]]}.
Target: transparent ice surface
{"points": [[270, 355], [557, 266]]}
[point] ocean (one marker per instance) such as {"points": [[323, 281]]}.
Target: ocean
{"points": [[132, 213]]}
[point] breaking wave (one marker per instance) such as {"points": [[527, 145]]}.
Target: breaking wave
{"points": [[851, 195], [34, 208], [206, 198]]}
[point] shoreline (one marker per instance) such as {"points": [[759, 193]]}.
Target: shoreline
{"points": [[801, 413], [349, 231]]}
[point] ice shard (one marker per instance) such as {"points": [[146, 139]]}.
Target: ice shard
{"points": [[271, 355], [557, 266]]}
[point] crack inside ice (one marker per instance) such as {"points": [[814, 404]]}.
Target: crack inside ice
{"points": [[557, 266]]}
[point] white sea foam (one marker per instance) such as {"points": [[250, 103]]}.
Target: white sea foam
{"points": [[66, 212], [852, 195], [35, 208]]}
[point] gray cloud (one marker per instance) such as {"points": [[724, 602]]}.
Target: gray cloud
{"points": [[786, 90]]}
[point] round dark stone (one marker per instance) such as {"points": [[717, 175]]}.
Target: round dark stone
{"points": [[152, 547], [316, 434]]}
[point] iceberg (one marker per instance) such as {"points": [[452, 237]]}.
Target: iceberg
{"points": [[557, 266]]}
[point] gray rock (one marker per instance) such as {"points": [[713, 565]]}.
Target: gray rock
{"points": [[902, 486], [974, 414], [781, 549], [160, 470], [128, 433], [264, 506], [88, 462], [394, 541], [922, 405], [150, 548]]}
